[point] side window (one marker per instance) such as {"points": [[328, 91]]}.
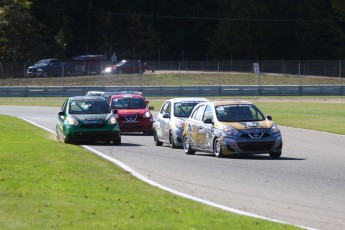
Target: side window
{"points": [[164, 108], [199, 114], [168, 108], [64, 107], [208, 113], [195, 112]]}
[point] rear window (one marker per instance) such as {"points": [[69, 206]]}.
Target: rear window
{"points": [[184, 109]]}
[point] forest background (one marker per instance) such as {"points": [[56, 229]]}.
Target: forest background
{"points": [[172, 30]]}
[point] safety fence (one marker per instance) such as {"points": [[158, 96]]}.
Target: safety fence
{"points": [[325, 68], [245, 90]]}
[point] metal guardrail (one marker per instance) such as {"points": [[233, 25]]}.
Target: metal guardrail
{"points": [[180, 91]]}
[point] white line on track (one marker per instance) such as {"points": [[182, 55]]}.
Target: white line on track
{"points": [[153, 183]]}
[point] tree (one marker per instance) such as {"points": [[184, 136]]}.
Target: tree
{"points": [[18, 31]]}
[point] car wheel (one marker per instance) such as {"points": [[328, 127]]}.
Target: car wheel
{"points": [[57, 134], [155, 138], [117, 140], [44, 74], [171, 140], [217, 149], [67, 140], [275, 155], [186, 146]]}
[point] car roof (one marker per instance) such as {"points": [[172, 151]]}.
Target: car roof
{"points": [[183, 99], [75, 98], [123, 92], [90, 93], [127, 95], [230, 102]]}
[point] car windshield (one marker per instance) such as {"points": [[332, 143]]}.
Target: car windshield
{"points": [[238, 113], [183, 109], [128, 103], [42, 62], [88, 107]]}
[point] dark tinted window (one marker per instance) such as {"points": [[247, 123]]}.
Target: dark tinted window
{"points": [[240, 112], [88, 107], [128, 103], [184, 109]]}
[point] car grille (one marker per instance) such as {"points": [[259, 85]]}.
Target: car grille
{"points": [[130, 117], [93, 126], [98, 135], [256, 146], [255, 135], [30, 70]]}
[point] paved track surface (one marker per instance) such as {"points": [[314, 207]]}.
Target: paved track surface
{"points": [[306, 186]]}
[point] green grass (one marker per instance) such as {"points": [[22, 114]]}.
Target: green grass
{"points": [[45, 184], [174, 79], [328, 117]]}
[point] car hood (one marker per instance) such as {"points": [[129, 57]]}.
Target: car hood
{"points": [[37, 66], [92, 117], [247, 124]]}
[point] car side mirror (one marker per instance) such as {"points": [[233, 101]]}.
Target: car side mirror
{"points": [[62, 113], [115, 111], [166, 115], [151, 107], [208, 121], [269, 117]]}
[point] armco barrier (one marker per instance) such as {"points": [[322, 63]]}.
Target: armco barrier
{"points": [[180, 91]]}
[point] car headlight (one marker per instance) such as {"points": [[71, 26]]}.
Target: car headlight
{"points": [[108, 69], [275, 128], [230, 130], [112, 120], [72, 121], [147, 114]]}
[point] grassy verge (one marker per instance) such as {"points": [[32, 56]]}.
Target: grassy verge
{"points": [[47, 184], [174, 79]]}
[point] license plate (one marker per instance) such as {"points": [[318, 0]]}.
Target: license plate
{"points": [[92, 122]]}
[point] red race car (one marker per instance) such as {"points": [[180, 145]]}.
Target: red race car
{"points": [[134, 114]]}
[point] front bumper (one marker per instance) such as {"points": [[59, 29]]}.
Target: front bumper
{"points": [[107, 133], [244, 146]]}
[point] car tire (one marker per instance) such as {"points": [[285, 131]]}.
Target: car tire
{"points": [[67, 140], [171, 141], [117, 140], [186, 146], [57, 134], [44, 74], [217, 149], [157, 141], [275, 155]]}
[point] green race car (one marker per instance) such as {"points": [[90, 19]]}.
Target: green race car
{"points": [[87, 118]]}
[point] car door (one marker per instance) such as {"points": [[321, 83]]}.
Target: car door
{"points": [[61, 119], [207, 124], [55, 67], [163, 119], [196, 128]]}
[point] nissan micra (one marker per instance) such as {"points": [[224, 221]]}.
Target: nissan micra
{"points": [[228, 128], [87, 118], [168, 127]]}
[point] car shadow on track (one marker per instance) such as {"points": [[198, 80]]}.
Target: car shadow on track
{"points": [[253, 157]]}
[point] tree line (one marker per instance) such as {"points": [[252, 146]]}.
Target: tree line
{"points": [[172, 30]]}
